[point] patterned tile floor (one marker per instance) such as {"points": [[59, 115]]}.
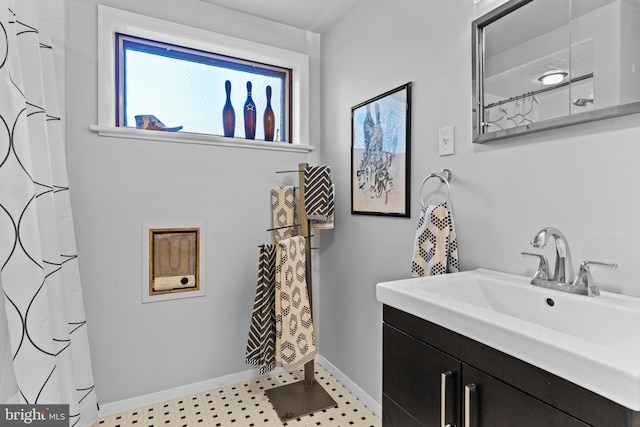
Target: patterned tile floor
{"points": [[246, 405]]}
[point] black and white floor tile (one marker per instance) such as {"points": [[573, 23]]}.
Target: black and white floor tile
{"points": [[246, 405]]}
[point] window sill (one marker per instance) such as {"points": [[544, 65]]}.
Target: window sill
{"points": [[197, 138]]}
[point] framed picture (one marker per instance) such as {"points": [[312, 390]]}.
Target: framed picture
{"points": [[380, 154]]}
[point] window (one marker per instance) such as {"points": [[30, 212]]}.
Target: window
{"points": [[186, 87], [196, 52]]}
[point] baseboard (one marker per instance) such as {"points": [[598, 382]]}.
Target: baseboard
{"points": [[108, 409], [365, 398], [113, 408]]}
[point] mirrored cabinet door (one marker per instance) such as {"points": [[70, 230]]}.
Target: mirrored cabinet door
{"points": [[541, 64]]}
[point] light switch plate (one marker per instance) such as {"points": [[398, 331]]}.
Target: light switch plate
{"points": [[446, 141]]}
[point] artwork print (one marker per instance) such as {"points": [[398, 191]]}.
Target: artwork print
{"points": [[380, 154]]}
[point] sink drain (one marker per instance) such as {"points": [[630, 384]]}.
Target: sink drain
{"points": [[550, 302]]}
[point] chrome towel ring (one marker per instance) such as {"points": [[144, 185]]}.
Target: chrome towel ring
{"points": [[444, 177]]}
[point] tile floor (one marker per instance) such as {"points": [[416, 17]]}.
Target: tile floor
{"points": [[246, 405]]}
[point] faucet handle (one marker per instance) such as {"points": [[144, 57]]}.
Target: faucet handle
{"points": [[584, 279], [543, 266]]}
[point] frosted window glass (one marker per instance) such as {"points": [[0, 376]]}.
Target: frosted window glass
{"points": [[188, 90]]}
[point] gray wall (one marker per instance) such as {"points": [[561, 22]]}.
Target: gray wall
{"points": [[581, 179], [117, 184]]}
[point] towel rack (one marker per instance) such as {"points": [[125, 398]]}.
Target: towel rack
{"points": [[303, 397], [284, 226], [444, 176]]}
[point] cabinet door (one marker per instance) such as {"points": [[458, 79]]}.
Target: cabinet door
{"points": [[393, 415], [490, 402], [420, 379]]}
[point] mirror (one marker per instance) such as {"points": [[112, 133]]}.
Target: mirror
{"points": [[543, 64]]}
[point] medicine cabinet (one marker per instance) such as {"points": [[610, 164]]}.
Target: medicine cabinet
{"points": [[543, 64]]}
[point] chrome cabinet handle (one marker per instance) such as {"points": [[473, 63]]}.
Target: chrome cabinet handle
{"points": [[469, 393], [444, 378]]}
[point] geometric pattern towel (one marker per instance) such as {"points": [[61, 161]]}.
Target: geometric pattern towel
{"points": [[318, 193], [262, 332], [436, 245], [283, 209], [295, 336], [329, 223]]}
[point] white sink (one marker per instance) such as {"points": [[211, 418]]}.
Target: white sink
{"points": [[591, 341]]}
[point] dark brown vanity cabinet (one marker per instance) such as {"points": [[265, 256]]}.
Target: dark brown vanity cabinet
{"points": [[419, 379], [435, 377], [491, 402]]}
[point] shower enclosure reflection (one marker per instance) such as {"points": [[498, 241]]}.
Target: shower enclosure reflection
{"points": [[541, 64]]}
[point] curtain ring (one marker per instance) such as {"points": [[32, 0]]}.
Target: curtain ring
{"points": [[444, 177]]}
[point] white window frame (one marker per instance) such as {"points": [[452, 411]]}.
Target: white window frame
{"points": [[112, 21]]}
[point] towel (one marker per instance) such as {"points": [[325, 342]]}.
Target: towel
{"points": [[283, 210], [319, 195], [329, 223], [295, 336], [262, 331], [436, 245]]}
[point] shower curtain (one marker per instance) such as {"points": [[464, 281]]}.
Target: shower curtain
{"points": [[43, 313]]}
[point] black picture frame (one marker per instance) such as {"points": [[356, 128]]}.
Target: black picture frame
{"points": [[381, 154]]}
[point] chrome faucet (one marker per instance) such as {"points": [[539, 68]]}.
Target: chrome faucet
{"points": [[563, 261], [582, 284]]}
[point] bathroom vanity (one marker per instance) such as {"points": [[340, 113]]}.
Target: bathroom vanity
{"points": [[433, 376], [427, 371]]}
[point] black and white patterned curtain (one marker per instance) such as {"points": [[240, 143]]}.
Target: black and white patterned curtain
{"points": [[43, 306]]}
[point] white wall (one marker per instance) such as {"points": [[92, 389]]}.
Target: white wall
{"points": [[581, 179], [117, 184]]}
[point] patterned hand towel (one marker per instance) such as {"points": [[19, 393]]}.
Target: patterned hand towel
{"points": [[283, 209], [295, 336], [318, 193], [261, 345], [436, 245], [329, 223]]}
